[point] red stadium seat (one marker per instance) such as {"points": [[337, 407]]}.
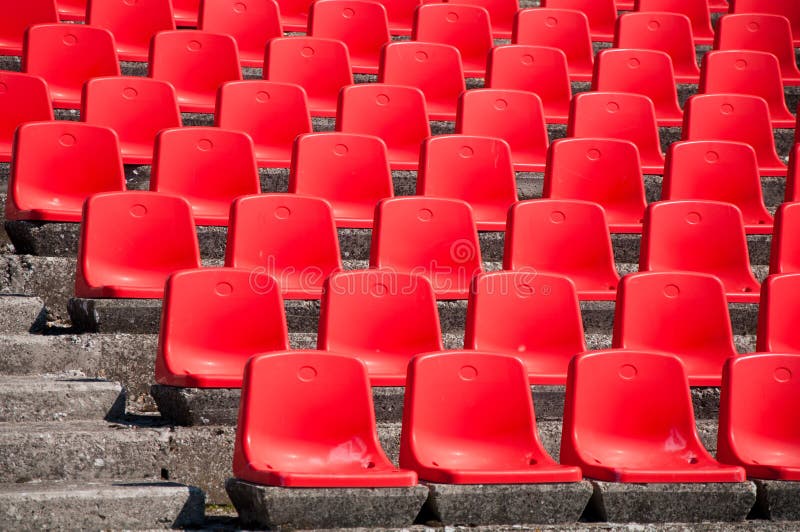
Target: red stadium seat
{"points": [[251, 24], [718, 171], [272, 113], [536, 69], [186, 12], [196, 63], [601, 14], [396, 114], [132, 23], [289, 237], [564, 237], [433, 237], [434, 68], [468, 419], [699, 236], [784, 8], [532, 316], [57, 165], [348, 170], [778, 312], [131, 242], [628, 418], [793, 175], [212, 321], [785, 252], [68, 55], [23, 98], [288, 435], [696, 10], [512, 115], [71, 9], [401, 15], [501, 13], [17, 16], [736, 117], [604, 171], [382, 317], [136, 108]]}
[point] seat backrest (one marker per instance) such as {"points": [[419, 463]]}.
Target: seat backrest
{"points": [[132, 23], [601, 15], [778, 311], [501, 13], [23, 98], [565, 29], [251, 24], [785, 254], [759, 31], [17, 16], [793, 175], [186, 12], [783, 8], [696, 10], [72, 9]]}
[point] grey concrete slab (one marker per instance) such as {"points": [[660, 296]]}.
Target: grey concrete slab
{"points": [[784, 141], [197, 406], [133, 68], [202, 457], [50, 278], [30, 354], [130, 360], [197, 119], [59, 398], [21, 314], [778, 500]]}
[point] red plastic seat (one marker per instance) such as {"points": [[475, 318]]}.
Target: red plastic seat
{"points": [[135, 108], [784, 8], [468, 419], [401, 15], [719, 171], [131, 242], [471, 168], [536, 69], [564, 237], [212, 321], [793, 175], [348, 170], [320, 66], [208, 166], [619, 115], [511, 115], [564, 29], [604, 171], [396, 114], [676, 312], [501, 13], [57, 165], [186, 12], [666, 32], [434, 68], [601, 14], [289, 237], [736, 117], [361, 24], [778, 312], [532, 316], [71, 9], [697, 11], [785, 251], [747, 72], [132, 23], [628, 418], [381, 317], [288, 435], [465, 26], [23, 98], [251, 24], [762, 32], [432, 237], [17, 16], [68, 55], [699, 236], [645, 72]]}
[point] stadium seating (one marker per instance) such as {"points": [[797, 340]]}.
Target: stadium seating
{"points": [[401, 15], [195, 352], [784, 8], [792, 192], [501, 13], [17, 16], [785, 252], [778, 314], [251, 24], [696, 10], [71, 9], [186, 12], [601, 14], [23, 98], [133, 24], [468, 418]]}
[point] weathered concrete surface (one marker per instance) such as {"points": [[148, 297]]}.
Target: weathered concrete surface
{"points": [[30, 354], [269, 506], [31, 399], [137, 316], [21, 314], [50, 278], [197, 406], [202, 457], [130, 360], [100, 506], [778, 500]]}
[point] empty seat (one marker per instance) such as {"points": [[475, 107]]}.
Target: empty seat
{"points": [[131, 242], [736, 117], [719, 171], [628, 418], [793, 175], [251, 24], [71, 9], [287, 434], [361, 24], [135, 108], [320, 66], [604, 171], [433, 237], [646, 72], [434, 68], [601, 14], [23, 98], [696, 10], [532, 316], [564, 29], [396, 114], [468, 419], [501, 13], [57, 165], [619, 115], [401, 15], [666, 32], [564, 237], [196, 63], [186, 12], [348, 170], [511, 115], [785, 252], [381, 317], [212, 321], [778, 314], [208, 166], [132, 23], [471, 168], [294, 14], [68, 55], [538, 69], [784, 8], [699, 236], [289, 237], [17, 16]]}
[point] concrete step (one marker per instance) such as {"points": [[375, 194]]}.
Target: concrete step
{"points": [[32, 354], [59, 398], [21, 314]]}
